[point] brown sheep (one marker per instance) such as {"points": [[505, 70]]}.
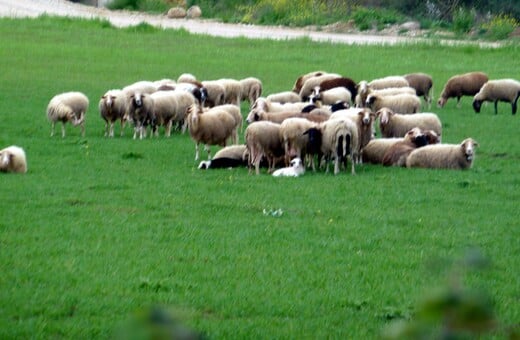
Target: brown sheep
{"points": [[467, 84]]}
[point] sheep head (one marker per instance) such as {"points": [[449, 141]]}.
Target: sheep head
{"points": [[468, 148], [384, 115], [476, 105]]}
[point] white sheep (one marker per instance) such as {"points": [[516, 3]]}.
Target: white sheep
{"points": [[402, 103], [275, 117], [422, 83], [294, 169], [233, 90], [209, 128], [284, 97], [231, 156], [506, 90], [396, 155], [392, 124], [233, 110], [112, 107], [392, 91], [467, 84], [362, 90], [303, 78], [68, 107], [390, 81], [331, 96], [293, 138], [187, 78], [143, 86], [263, 140], [375, 150], [310, 84], [216, 93], [12, 159], [444, 156], [251, 89]]}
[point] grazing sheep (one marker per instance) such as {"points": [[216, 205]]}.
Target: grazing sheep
{"points": [[311, 83], [251, 89], [263, 139], [284, 97], [294, 140], [231, 156], [294, 169], [215, 93], [423, 84], [112, 106], [390, 81], [210, 128], [397, 153], [347, 83], [303, 78], [444, 156], [12, 159], [331, 96], [402, 103], [392, 124], [196, 89], [505, 90], [467, 84], [68, 107]]}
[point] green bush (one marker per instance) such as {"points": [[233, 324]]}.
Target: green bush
{"points": [[366, 18], [463, 20], [500, 27], [154, 6]]}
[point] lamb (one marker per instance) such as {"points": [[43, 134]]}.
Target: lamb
{"points": [[331, 96], [397, 153], [397, 125], [68, 107], [303, 78], [402, 103], [112, 106], [284, 97], [140, 112], [251, 89], [215, 93], [444, 156], [210, 128], [312, 82], [231, 156], [422, 83], [295, 169], [12, 159], [263, 139], [467, 84], [294, 140], [390, 81], [506, 90]]}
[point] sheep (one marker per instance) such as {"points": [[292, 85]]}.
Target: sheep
{"points": [[164, 83], [143, 86], [362, 90], [262, 104], [303, 78], [295, 169], [263, 139], [284, 97], [397, 153], [140, 112], [12, 159], [402, 103], [68, 107], [234, 111], [215, 93], [331, 96], [169, 107], [375, 150], [251, 89], [347, 83], [210, 128], [231, 156], [390, 81], [467, 84], [444, 156], [112, 106], [194, 12], [312, 82], [187, 78], [232, 90], [422, 83], [392, 91], [275, 117], [506, 90], [293, 137], [338, 138], [196, 89], [397, 125]]}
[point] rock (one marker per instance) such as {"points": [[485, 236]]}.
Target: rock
{"points": [[194, 12], [411, 26], [176, 13]]}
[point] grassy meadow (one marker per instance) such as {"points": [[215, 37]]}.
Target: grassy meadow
{"points": [[101, 228]]}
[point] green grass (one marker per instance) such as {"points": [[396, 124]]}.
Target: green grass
{"points": [[100, 228]]}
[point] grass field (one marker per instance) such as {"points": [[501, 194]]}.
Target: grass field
{"points": [[99, 228]]}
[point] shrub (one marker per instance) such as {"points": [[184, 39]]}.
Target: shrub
{"points": [[366, 18], [154, 6], [463, 20], [500, 27]]}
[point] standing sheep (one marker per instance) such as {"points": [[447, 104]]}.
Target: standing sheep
{"points": [[12, 159], [467, 84], [293, 138], [284, 97], [232, 90], [216, 93], [390, 81], [311, 83], [251, 89], [112, 107], [331, 96], [506, 90], [140, 112], [68, 107], [344, 82], [422, 83], [392, 124], [209, 128], [303, 78], [402, 103], [444, 156], [263, 139]]}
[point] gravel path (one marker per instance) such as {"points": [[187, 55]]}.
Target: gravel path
{"points": [[34, 8]]}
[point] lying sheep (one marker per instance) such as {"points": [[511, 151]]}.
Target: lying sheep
{"points": [[294, 169], [444, 156], [12, 159], [210, 128], [402, 103], [422, 83], [375, 150], [284, 97], [251, 89], [397, 153], [331, 96], [231, 156], [392, 124], [112, 107], [467, 84], [263, 140], [68, 107], [390, 81], [506, 90], [294, 138]]}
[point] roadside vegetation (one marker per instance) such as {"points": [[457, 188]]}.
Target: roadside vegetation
{"points": [[497, 20], [101, 229]]}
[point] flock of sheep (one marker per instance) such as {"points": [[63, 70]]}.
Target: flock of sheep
{"points": [[324, 119]]}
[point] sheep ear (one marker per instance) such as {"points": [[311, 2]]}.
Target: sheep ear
{"points": [[475, 143]]}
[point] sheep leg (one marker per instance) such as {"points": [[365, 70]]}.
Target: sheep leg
{"points": [[111, 130], [458, 103], [336, 165], [496, 106], [83, 129], [52, 128], [208, 150], [122, 126], [197, 151], [63, 130]]}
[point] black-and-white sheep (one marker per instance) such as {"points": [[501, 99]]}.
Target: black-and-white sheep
{"points": [[68, 107], [505, 90], [467, 84], [231, 156], [12, 159], [444, 156]]}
